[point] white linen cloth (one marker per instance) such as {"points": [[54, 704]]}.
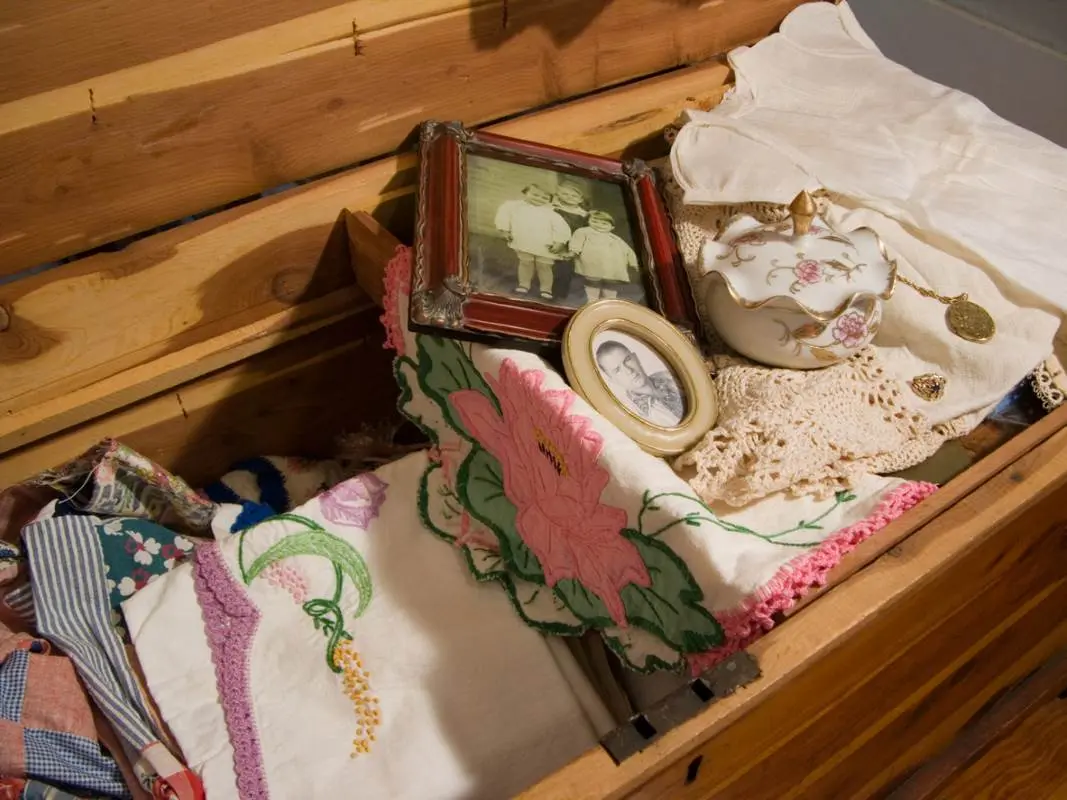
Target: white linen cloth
{"points": [[473, 703], [966, 201]]}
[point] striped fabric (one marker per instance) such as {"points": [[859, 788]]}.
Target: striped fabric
{"points": [[20, 601], [71, 601]]}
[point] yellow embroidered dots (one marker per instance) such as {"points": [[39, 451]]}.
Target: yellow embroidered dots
{"points": [[357, 687], [549, 450]]}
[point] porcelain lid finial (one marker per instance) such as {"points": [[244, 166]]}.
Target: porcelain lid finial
{"points": [[802, 210]]}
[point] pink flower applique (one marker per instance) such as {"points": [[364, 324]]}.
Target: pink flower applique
{"points": [[808, 272], [850, 329], [551, 475], [355, 502]]}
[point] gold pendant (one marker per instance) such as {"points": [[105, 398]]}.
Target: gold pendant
{"points": [[970, 321], [929, 386]]}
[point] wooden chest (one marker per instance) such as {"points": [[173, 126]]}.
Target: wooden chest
{"points": [[176, 274]]}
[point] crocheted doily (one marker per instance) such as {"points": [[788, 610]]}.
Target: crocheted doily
{"points": [[1050, 383], [808, 431]]}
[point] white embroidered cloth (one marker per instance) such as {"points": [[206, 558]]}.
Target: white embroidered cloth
{"points": [[966, 201], [452, 695], [584, 530]]}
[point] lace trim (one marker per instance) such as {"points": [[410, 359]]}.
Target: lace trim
{"points": [[397, 273], [755, 616], [1050, 383], [230, 621]]}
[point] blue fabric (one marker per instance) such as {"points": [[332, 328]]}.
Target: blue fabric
{"points": [[270, 481], [55, 756], [71, 600], [13, 684], [72, 760], [252, 514]]}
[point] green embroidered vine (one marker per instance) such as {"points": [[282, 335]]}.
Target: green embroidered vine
{"points": [[326, 614], [695, 518]]}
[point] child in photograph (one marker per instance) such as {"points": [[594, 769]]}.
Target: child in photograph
{"points": [[570, 203], [604, 259], [537, 234]]}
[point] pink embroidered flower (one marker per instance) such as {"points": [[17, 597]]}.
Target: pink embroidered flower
{"points": [[850, 329], [355, 502], [288, 579], [551, 475], [808, 272], [475, 535]]}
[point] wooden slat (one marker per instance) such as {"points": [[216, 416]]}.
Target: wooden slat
{"points": [[75, 330], [1031, 764], [1006, 715], [162, 140], [47, 44], [847, 636], [294, 399]]}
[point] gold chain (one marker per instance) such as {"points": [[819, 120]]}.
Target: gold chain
{"points": [[960, 298]]}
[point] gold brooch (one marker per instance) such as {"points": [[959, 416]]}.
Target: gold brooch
{"points": [[929, 386]]}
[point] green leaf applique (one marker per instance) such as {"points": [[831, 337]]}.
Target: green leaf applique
{"points": [[443, 368], [481, 488]]}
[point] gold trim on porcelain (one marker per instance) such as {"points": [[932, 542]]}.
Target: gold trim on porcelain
{"points": [[822, 316]]}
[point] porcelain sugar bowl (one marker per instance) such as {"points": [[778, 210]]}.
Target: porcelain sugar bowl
{"points": [[794, 293]]}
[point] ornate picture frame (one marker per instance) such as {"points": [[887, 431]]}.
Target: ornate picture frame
{"points": [[450, 297], [641, 374]]}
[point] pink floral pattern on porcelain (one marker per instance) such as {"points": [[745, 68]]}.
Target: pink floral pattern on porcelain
{"points": [[808, 272], [551, 475], [850, 330], [356, 502]]}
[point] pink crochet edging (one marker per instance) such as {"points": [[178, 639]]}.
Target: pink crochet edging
{"points": [[230, 621], [397, 276], [755, 615]]}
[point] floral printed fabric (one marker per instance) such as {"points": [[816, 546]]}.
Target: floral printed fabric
{"points": [[112, 479], [583, 530], [136, 552]]}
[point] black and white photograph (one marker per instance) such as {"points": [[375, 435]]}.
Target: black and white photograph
{"points": [[639, 378], [549, 236]]}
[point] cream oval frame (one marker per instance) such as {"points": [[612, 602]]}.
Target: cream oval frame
{"points": [[681, 355]]}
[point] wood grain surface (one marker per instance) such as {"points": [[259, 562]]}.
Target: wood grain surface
{"points": [[95, 161], [48, 44], [1031, 764], [846, 682], [1038, 690], [294, 399], [222, 278]]}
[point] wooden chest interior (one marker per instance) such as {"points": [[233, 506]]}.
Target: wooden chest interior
{"points": [[175, 272]]}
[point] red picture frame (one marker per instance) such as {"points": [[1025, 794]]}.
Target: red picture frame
{"points": [[446, 300]]}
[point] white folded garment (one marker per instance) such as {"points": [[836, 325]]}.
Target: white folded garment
{"points": [[967, 201], [462, 699]]}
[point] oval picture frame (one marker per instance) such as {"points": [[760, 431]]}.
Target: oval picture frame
{"points": [[641, 374]]}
